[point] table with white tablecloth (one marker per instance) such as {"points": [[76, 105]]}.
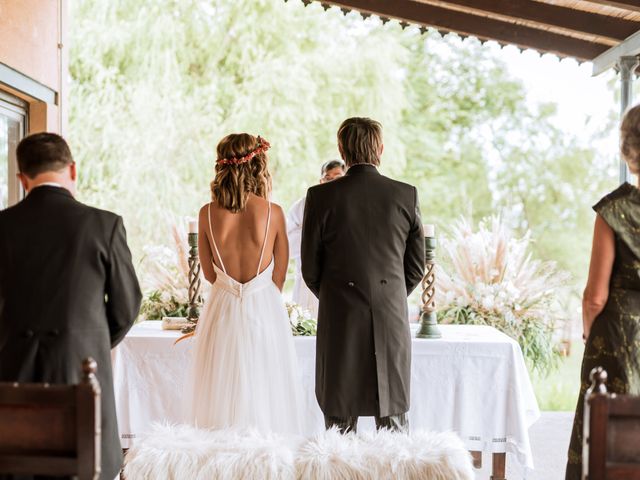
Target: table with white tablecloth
{"points": [[473, 381]]}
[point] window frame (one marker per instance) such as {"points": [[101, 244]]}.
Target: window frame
{"points": [[17, 110]]}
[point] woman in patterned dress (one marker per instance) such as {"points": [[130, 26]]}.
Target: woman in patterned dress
{"points": [[611, 301]]}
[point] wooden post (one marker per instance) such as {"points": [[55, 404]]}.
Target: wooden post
{"points": [[499, 466], [596, 413], [88, 422]]}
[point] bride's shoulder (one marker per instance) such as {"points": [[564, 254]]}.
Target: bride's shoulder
{"points": [[277, 212], [276, 207], [205, 208]]}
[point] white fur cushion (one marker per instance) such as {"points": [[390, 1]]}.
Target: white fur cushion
{"points": [[183, 452]]}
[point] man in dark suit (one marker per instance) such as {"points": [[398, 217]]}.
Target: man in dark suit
{"points": [[362, 254], [68, 289]]}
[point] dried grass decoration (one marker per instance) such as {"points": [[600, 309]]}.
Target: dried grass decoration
{"points": [[490, 278]]}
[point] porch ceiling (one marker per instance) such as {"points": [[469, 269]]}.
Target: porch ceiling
{"points": [[582, 29]]}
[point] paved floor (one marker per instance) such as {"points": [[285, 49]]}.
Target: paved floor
{"points": [[549, 441]]}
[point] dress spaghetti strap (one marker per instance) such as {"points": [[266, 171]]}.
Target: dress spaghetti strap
{"points": [[213, 240], [264, 243]]}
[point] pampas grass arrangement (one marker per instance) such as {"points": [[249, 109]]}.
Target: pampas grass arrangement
{"points": [[166, 276], [183, 452], [491, 279]]}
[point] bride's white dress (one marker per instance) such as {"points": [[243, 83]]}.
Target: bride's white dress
{"points": [[244, 367]]}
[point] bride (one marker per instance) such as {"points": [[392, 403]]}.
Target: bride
{"points": [[244, 368]]}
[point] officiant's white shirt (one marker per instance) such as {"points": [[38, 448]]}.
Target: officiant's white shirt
{"points": [[301, 294]]}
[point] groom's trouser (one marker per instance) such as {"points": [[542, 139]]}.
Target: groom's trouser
{"points": [[398, 423]]}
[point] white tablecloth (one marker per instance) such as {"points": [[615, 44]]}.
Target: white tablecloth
{"points": [[472, 381]]}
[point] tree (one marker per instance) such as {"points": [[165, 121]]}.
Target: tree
{"points": [[155, 85]]}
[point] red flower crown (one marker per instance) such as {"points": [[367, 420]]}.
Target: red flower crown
{"points": [[263, 146]]}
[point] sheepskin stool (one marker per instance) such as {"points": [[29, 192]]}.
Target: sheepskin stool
{"points": [[183, 452], [384, 455]]}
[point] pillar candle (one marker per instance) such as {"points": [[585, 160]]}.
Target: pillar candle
{"points": [[429, 230]]}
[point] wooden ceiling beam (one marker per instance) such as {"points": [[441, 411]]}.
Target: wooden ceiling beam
{"points": [[473, 25], [608, 59], [623, 4], [547, 15]]}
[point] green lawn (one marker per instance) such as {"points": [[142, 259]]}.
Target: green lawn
{"points": [[559, 391]]}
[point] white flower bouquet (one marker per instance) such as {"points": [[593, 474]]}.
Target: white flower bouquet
{"points": [[301, 321], [493, 280]]}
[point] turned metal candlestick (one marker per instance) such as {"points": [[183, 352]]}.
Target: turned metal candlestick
{"points": [[428, 317], [194, 279]]}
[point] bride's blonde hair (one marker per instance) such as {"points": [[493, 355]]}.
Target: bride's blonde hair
{"points": [[241, 169]]}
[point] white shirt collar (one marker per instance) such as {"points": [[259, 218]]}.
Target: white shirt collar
{"points": [[50, 184]]}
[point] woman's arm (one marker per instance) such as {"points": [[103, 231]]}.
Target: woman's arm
{"points": [[280, 247], [204, 247], [596, 292]]}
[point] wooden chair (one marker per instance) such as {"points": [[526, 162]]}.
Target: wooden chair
{"points": [[51, 429], [611, 445]]}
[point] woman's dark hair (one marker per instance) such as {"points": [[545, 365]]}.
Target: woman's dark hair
{"points": [[330, 165], [42, 152]]}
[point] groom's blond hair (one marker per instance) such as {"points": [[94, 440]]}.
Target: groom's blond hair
{"points": [[360, 141]]}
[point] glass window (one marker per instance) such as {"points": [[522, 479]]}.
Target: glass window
{"points": [[13, 126]]}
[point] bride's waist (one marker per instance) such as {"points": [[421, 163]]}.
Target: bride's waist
{"points": [[241, 290]]}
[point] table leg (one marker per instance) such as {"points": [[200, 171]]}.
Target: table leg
{"points": [[124, 452], [477, 459], [499, 466]]}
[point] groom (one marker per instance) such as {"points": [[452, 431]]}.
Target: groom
{"points": [[362, 254]]}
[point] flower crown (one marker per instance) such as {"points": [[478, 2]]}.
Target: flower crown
{"points": [[262, 147]]}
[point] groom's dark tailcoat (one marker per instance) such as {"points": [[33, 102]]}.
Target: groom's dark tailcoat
{"points": [[362, 254], [68, 291]]}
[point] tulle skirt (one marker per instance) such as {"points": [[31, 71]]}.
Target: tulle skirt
{"points": [[243, 372]]}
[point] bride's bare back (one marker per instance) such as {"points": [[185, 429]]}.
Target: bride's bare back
{"points": [[239, 238]]}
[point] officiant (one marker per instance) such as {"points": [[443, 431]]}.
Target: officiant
{"points": [[330, 171]]}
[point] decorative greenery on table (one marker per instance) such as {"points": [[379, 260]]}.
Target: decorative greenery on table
{"points": [[302, 323], [494, 281], [156, 305], [167, 277]]}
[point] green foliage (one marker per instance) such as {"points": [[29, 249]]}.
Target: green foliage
{"points": [[155, 306], [307, 327], [301, 321], [559, 390], [154, 84]]}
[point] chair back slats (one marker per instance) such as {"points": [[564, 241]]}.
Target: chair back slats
{"points": [[51, 429], [617, 471], [611, 448], [623, 437], [38, 465], [56, 435]]}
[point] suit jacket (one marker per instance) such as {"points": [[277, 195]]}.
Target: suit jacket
{"points": [[68, 291], [362, 254]]}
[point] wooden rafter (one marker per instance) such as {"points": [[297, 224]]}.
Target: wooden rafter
{"points": [[624, 4], [608, 59], [482, 27], [548, 15]]}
